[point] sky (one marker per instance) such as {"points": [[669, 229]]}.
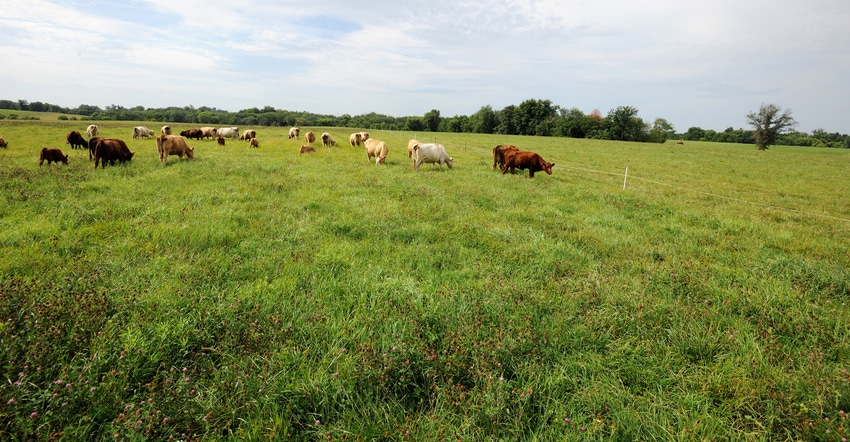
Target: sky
{"points": [[694, 63]]}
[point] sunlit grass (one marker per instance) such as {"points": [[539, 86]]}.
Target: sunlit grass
{"points": [[253, 293]]}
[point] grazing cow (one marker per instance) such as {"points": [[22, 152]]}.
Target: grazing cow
{"points": [[499, 154], [166, 130], [221, 141], [254, 143], [51, 154], [92, 144], [173, 145], [306, 149], [294, 132], [195, 134], [410, 145], [76, 140], [248, 134], [142, 132], [526, 160], [310, 137], [92, 131], [354, 139], [681, 141], [110, 150], [431, 153], [358, 138], [378, 149], [208, 132], [327, 140], [228, 132], [3, 143]]}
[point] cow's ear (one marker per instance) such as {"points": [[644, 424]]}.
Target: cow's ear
{"points": [[415, 146]]}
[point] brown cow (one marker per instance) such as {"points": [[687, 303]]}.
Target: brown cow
{"points": [[526, 160], [110, 150], [3, 143], [499, 154], [52, 154], [92, 144], [173, 145], [254, 143], [248, 134], [76, 140], [221, 141], [306, 149], [196, 134]]}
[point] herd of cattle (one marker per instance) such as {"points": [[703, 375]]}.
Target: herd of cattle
{"points": [[112, 150]]}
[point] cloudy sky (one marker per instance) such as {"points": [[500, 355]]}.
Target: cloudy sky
{"points": [[694, 63]]}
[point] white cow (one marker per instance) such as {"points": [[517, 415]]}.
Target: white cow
{"points": [[378, 149], [92, 131], [166, 130], [142, 132], [431, 153], [228, 132], [294, 132]]}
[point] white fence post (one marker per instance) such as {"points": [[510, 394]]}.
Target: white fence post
{"points": [[626, 177]]}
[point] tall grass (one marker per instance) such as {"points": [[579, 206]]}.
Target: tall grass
{"points": [[257, 293]]}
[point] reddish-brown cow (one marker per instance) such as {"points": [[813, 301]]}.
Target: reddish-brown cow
{"points": [[51, 154], [111, 150], [499, 154], [306, 149], [526, 160], [76, 140]]}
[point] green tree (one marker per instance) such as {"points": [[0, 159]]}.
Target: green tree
{"points": [[624, 124], [484, 121], [533, 117], [432, 120], [768, 123]]}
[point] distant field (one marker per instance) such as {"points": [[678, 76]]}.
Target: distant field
{"points": [[259, 293], [42, 116]]}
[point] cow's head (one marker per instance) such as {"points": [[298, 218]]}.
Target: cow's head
{"points": [[547, 167], [190, 152], [450, 162], [65, 159]]}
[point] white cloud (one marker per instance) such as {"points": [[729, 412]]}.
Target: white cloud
{"points": [[694, 63]]}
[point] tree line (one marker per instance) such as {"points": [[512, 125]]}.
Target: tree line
{"points": [[531, 117]]}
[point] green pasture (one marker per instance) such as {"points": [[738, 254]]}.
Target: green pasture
{"points": [[256, 294]]}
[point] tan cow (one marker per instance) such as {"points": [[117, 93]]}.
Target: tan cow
{"points": [[410, 145], [378, 149], [310, 137], [92, 131], [248, 134], [294, 132], [254, 143], [209, 132], [358, 138], [306, 149], [173, 145], [327, 140]]}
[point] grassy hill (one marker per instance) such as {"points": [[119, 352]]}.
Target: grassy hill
{"points": [[259, 293]]}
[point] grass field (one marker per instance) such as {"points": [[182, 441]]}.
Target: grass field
{"points": [[252, 294]]}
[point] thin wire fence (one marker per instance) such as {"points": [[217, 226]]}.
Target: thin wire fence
{"points": [[702, 192]]}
